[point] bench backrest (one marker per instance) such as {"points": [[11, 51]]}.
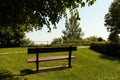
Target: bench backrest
{"points": [[50, 49]]}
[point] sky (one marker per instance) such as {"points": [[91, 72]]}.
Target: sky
{"points": [[92, 23]]}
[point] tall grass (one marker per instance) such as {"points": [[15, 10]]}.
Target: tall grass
{"points": [[88, 65]]}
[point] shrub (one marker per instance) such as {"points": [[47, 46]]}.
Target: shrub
{"points": [[111, 49]]}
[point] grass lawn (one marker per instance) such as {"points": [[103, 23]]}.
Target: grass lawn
{"points": [[88, 65]]}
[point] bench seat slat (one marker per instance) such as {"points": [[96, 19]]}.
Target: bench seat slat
{"points": [[48, 58]]}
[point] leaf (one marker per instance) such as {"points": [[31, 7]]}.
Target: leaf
{"points": [[83, 4], [87, 1]]}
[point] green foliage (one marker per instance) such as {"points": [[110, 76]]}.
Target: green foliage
{"points": [[100, 39], [114, 37], [11, 37], [35, 13], [92, 39], [57, 41], [110, 49], [72, 32], [20, 16], [112, 18], [79, 42], [27, 42]]}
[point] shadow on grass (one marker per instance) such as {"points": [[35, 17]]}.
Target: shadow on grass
{"points": [[110, 57], [7, 75], [45, 69]]}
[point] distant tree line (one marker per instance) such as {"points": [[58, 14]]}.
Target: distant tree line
{"points": [[81, 42]]}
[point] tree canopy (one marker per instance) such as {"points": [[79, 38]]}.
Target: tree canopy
{"points": [[112, 18], [113, 37], [36, 13]]}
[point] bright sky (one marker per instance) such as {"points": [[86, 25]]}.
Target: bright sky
{"points": [[92, 23]]}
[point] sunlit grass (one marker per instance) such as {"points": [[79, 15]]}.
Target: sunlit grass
{"points": [[88, 65], [12, 50]]}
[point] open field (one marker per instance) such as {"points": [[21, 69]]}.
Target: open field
{"points": [[88, 65]]}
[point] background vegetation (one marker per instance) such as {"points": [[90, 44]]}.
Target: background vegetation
{"points": [[110, 49]]}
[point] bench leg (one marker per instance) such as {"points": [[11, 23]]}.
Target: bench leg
{"points": [[69, 63], [37, 62], [37, 66], [69, 59]]}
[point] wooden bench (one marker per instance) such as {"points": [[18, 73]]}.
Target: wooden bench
{"points": [[37, 51]]}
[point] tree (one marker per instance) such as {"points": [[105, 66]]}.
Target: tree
{"points": [[56, 41], [100, 39], [73, 32], [92, 39], [27, 42], [35, 13], [113, 37], [11, 37], [112, 18]]}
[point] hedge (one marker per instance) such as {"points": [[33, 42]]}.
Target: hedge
{"points": [[110, 49]]}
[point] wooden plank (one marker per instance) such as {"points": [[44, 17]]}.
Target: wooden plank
{"points": [[48, 58], [50, 49]]}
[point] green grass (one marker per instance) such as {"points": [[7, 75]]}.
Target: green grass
{"points": [[12, 50], [88, 65]]}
